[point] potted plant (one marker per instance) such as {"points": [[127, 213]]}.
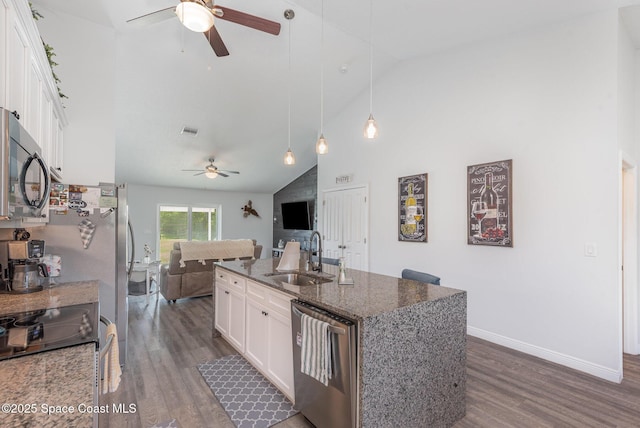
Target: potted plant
{"points": [[147, 254]]}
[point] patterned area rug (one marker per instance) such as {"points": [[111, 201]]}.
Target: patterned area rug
{"points": [[167, 424], [248, 398]]}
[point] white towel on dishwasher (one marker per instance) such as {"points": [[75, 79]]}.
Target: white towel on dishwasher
{"points": [[112, 370], [315, 355]]}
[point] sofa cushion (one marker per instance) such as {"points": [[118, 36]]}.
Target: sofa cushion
{"points": [[194, 278], [216, 250]]}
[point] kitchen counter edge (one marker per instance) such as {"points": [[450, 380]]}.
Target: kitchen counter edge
{"points": [[371, 295], [65, 294]]}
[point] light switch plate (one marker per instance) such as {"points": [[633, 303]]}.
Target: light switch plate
{"points": [[590, 249]]}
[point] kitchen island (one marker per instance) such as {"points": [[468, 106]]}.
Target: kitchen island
{"points": [[411, 341], [56, 387]]}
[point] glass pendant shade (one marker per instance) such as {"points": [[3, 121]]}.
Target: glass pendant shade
{"points": [[371, 128], [211, 174], [322, 148], [289, 158], [195, 16]]}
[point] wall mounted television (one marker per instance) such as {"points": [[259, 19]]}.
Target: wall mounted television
{"points": [[295, 215]]}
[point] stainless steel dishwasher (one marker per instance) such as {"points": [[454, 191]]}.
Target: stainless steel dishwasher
{"points": [[335, 405]]}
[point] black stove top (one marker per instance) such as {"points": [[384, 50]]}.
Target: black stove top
{"points": [[26, 333]]}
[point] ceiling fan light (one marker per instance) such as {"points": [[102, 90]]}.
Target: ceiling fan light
{"points": [[289, 158], [322, 148], [211, 174], [195, 16], [371, 128]]}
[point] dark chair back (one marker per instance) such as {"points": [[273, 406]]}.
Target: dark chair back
{"points": [[420, 276], [325, 260], [330, 261]]}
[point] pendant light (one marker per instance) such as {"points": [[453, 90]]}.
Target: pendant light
{"points": [[289, 158], [370, 126], [322, 147]]}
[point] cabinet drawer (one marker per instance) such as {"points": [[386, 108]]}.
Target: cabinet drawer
{"points": [[221, 276], [257, 292], [280, 303], [232, 281], [271, 299]]}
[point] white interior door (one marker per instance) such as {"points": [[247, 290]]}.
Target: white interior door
{"points": [[345, 219]]}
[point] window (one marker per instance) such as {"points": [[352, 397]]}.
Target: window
{"points": [[186, 223]]}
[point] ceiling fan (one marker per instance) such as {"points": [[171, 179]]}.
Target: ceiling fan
{"points": [[212, 171], [198, 16]]}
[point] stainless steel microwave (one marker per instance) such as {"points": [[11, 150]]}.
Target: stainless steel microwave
{"points": [[24, 175]]}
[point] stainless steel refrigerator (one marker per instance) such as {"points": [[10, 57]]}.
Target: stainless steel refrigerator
{"points": [[78, 211]]}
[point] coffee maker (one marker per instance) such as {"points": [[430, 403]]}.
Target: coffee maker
{"points": [[20, 267]]}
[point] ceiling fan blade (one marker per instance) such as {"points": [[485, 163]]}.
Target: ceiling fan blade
{"points": [[222, 174], [229, 172], [216, 42], [191, 170], [199, 173], [153, 17], [247, 20]]}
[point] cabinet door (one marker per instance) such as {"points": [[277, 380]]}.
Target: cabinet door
{"points": [[45, 125], [17, 57], [280, 358], [222, 310], [4, 25], [33, 112], [236, 320], [256, 340]]}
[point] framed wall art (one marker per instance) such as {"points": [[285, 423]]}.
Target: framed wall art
{"points": [[489, 217], [412, 208]]}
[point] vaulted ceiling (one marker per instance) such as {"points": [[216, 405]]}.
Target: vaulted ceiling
{"points": [[168, 77]]}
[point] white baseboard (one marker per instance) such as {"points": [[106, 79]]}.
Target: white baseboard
{"points": [[547, 354]]}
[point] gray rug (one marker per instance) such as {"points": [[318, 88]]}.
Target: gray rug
{"points": [[167, 424], [248, 398]]}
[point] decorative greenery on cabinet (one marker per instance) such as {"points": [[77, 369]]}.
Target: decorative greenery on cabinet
{"points": [[49, 51]]}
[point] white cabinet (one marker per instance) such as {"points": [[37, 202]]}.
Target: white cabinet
{"points": [[45, 123], [256, 320], [33, 113], [56, 146], [17, 57], [4, 23], [268, 344], [26, 81], [280, 353], [257, 331], [229, 307]]}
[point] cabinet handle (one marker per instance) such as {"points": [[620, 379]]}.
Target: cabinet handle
{"points": [[265, 313], [226, 292], [235, 282]]}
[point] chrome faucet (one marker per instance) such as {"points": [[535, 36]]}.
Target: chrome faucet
{"points": [[317, 267]]}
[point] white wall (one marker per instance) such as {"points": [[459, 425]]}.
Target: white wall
{"points": [[144, 202], [85, 53], [626, 93], [548, 100], [627, 141]]}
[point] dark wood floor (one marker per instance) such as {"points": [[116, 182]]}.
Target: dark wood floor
{"points": [[505, 388]]}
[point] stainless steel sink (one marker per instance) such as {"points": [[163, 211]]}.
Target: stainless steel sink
{"points": [[297, 279]]}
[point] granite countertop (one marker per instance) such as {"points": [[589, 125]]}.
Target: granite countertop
{"points": [[61, 377], [39, 385], [370, 295], [66, 294]]}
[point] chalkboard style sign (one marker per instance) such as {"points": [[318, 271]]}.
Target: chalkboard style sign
{"points": [[412, 208], [489, 204]]}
